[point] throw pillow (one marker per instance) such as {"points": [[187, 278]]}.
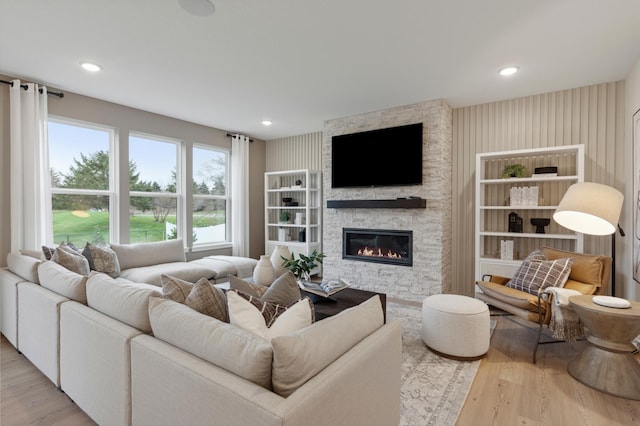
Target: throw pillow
{"points": [[208, 299], [174, 288], [71, 259], [266, 319], [246, 287], [202, 296], [283, 291], [102, 259], [49, 251], [536, 273]]}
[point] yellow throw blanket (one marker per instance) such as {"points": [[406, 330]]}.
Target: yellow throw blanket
{"points": [[565, 323]]}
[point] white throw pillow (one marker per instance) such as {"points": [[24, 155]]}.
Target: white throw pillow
{"points": [[244, 314]]}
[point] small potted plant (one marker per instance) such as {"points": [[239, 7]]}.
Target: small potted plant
{"points": [[514, 171], [302, 266], [284, 217]]}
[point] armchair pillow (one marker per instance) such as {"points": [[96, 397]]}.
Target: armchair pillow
{"points": [[537, 273]]}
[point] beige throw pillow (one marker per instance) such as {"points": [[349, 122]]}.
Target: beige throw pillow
{"points": [[202, 296], [102, 259], [71, 259], [246, 287], [299, 356], [265, 319], [283, 291]]}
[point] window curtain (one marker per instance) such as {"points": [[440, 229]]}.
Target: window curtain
{"points": [[240, 195], [30, 176]]}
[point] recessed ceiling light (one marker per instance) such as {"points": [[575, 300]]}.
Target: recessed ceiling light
{"points": [[198, 7], [88, 66], [266, 122], [508, 71]]}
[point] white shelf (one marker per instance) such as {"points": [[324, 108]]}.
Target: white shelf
{"points": [[510, 181], [277, 185], [518, 207], [528, 235], [492, 193]]}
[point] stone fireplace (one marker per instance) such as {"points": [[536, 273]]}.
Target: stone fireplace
{"points": [[428, 222], [378, 246]]}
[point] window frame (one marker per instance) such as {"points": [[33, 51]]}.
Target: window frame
{"points": [[113, 175], [228, 242]]}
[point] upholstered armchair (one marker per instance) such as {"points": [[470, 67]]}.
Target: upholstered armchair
{"points": [[589, 275]]}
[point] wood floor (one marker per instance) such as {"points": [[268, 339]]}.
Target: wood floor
{"points": [[508, 389]]}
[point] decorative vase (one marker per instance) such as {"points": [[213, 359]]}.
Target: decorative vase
{"points": [[264, 273], [276, 259]]}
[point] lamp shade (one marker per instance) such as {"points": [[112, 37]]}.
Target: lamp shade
{"points": [[590, 208]]}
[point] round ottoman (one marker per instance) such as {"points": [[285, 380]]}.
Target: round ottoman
{"points": [[456, 326]]}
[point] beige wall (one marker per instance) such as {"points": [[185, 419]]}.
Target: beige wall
{"points": [[124, 120], [593, 116]]}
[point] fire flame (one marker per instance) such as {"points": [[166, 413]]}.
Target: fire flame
{"points": [[371, 252]]}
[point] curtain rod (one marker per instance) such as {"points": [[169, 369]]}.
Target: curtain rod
{"points": [[24, 86], [229, 135]]}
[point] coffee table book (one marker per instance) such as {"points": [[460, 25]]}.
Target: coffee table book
{"points": [[326, 288]]}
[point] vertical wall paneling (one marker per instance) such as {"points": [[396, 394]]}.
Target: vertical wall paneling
{"points": [[593, 116], [295, 153]]}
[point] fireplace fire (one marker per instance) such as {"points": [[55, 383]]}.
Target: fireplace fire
{"points": [[378, 245]]}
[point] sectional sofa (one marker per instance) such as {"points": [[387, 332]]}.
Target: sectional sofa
{"points": [[128, 356]]}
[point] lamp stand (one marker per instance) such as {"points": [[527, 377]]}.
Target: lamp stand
{"points": [[613, 260]]}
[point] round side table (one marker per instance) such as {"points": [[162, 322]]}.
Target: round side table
{"points": [[607, 364]]}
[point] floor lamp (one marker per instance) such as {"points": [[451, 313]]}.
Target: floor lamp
{"points": [[593, 209]]}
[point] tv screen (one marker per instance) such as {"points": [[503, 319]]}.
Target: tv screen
{"points": [[384, 157]]}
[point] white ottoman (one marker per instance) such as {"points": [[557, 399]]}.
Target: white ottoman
{"points": [[456, 326]]}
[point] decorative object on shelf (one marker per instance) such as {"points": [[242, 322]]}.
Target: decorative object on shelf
{"points": [[286, 200], [302, 266], [594, 209], [283, 235], [514, 171], [546, 171], [506, 249], [284, 217], [299, 182], [264, 273], [540, 223], [302, 236], [278, 257], [515, 222], [299, 220], [523, 196]]}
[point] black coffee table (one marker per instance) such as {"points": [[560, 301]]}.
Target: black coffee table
{"points": [[347, 298]]}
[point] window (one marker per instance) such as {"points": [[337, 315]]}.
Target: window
{"points": [[154, 189], [81, 181], [210, 200]]}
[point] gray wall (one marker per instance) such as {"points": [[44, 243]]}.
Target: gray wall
{"points": [[126, 119]]}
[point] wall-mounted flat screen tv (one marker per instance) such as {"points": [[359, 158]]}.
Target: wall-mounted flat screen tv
{"points": [[383, 157]]}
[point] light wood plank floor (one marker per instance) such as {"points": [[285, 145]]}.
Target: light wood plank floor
{"points": [[508, 389]]}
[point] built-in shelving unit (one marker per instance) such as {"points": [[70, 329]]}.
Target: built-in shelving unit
{"points": [[304, 188], [493, 205]]}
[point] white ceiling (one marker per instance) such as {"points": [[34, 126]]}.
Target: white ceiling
{"points": [[300, 62]]}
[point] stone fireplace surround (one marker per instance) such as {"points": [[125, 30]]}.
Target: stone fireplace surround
{"points": [[431, 226]]}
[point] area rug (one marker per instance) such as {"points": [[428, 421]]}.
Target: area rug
{"points": [[434, 388]]}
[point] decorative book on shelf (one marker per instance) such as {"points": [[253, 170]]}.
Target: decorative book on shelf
{"points": [[326, 288]]}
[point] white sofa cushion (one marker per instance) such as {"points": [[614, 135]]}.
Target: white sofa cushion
{"points": [[152, 274], [232, 348], [126, 302], [303, 354], [24, 266], [145, 254], [59, 279]]}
